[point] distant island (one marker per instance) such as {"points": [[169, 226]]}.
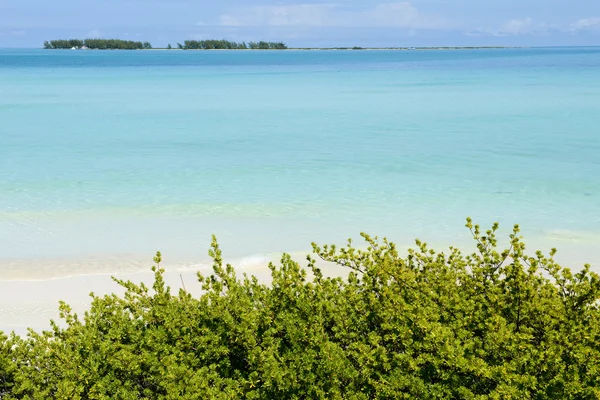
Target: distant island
{"points": [[117, 44], [97, 44], [407, 48], [228, 45]]}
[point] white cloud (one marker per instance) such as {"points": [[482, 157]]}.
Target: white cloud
{"points": [[514, 27], [94, 33], [390, 15], [395, 15], [586, 24], [291, 15], [14, 33]]}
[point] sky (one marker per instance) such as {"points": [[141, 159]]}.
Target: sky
{"points": [[304, 23]]}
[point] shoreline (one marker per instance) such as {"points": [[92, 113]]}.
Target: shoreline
{"points": [[575, 249], [53, 269], [445, 48], [32, 303]]}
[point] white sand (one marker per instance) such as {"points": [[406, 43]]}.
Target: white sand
{"points": [[33, 303], [25, 302]]}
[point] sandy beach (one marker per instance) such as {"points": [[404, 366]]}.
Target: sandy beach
{"points": [[32, 303]]}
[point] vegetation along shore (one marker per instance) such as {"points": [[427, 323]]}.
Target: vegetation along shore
{"points": [[498, 323], [97, 44], [117, 44]]}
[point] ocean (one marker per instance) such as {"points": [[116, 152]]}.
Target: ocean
{"points": [[107, 157]]}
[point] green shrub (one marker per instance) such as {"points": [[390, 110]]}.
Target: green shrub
{"points": [[431, 325], [7, 365]]}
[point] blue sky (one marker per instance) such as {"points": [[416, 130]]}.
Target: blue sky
{"points": [[27, 23]]}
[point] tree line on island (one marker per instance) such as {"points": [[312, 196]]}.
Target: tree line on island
{"points": [[97, 44], [228, 45], [497, 323], [117, 44]]}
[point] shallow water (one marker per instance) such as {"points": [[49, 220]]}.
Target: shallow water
{"points": [[109, 156]]}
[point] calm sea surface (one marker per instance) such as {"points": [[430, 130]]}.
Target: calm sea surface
{"points": [[106, 157]]}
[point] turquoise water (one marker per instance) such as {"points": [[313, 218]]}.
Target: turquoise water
{"points": [[117, 154]]}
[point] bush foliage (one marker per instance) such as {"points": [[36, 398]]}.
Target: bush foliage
{"points": [[495, 324]]}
